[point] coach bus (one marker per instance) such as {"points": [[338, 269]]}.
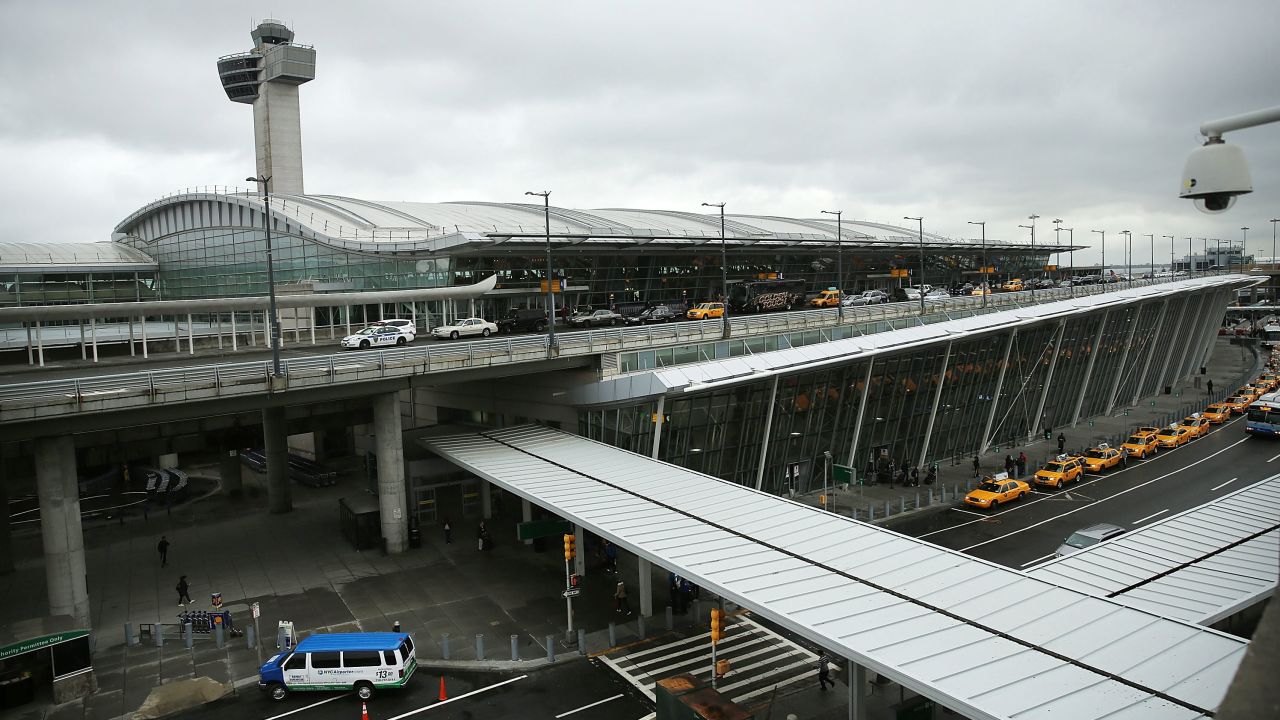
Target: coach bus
{"points": [[752, 296], [1263, 416]]}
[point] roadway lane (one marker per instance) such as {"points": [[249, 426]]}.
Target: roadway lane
{"points": [[1172, 481]]}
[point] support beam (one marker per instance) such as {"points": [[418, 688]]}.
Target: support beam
{"points": [[862, 411], [391, 491], [132, 351], [526, 514], [60, 529], [1048, 377], [144, 337], [276, 442], [933, 413], [1088, 369], [229, 466], [191, 340], [31, 358], [579, 559], [486, 500], [1151, 352], [645, 587], [235, 343], [657, 426], [768, 427], [40, 343], [857, 691], [93, 337], [995, 397]]}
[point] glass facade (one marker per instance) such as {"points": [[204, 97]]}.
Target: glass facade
{"points": [[66, 288], [941, 401]]}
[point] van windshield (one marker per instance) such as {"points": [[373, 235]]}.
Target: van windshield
{"points": [[406, 647], [1078, 540]]}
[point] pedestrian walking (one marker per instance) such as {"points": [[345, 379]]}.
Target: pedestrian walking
{"points": [[1022, 464], [824, 672], [1209, 385], [1062, 442], [976, 466], [620, 603], [1124, 457], [448, 532], [1008, 464], [610, 557], [183, 588], [163, 548], [893, 472], [481, 532]]}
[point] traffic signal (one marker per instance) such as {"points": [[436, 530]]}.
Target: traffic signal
{"points": [[575, 580], [717, 624], [569, 550]]}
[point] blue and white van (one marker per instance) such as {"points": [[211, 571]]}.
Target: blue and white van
{"points": [[363, 662]]}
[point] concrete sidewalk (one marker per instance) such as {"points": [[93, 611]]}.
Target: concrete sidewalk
{"points": [[299, 567]]}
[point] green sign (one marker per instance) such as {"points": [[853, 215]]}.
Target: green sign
{"points": [[27, 646], [842, 473], [542, 528]]}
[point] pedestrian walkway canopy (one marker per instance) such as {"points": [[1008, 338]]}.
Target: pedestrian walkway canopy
{"points": [[1201, 565], [981, 639]]}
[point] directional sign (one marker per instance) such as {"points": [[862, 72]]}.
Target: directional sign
{"points": [[571, 592], [842, 473], [257, 611]]}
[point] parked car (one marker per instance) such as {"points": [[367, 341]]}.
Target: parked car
{"points": [[523, 320], [995, 490], [657, 314], [1059, 471], [405, 325], [469, 327], [630, 310], [1237, 403], [595, 318], [1196, 424], [1218, 413], [1086, 537], [377, 336], [1102, 457], [937, 294], [706, 311], [868, 297], [1012, 285], [1173, 436], [1140, 446]]}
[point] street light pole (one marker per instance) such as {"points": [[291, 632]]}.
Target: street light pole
{"points": [[1244, 240], [724, 274], [1153, 256], [551, 300], [1273, 241], [1104, 254], [1128, 255], [1031, 281], [1057, 240], [1171, 256], [1217, 256], [839, 262], [921, 221], [985, 287], [1071, 240], [274, 320]]}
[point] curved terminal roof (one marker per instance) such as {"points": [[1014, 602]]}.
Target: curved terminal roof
{"points": [[475, 226], [82, 257]]}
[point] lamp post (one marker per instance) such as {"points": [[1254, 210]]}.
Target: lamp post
{"points": [[1104, 253], [274, 320], [1273, 241], [1057, 229], [839, 262], [1128, 262], [1171, 257], [985, 287], [1153, 256], [724, 274], [1032, 281], [1244, 239], [1217, 255], [921, 221], [1071, 240], [1206, 252], [551, 301]]}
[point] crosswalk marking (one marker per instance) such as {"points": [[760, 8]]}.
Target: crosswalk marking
{"points": [[760, 661]]}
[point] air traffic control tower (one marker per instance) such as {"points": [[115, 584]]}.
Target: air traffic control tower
{"points": [[268, 76]]}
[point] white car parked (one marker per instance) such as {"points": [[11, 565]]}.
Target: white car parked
{"points": [[464, 328], [378, 336]]}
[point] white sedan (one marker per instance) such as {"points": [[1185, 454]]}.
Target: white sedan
{"points": [[463, 328], [378, 336]]}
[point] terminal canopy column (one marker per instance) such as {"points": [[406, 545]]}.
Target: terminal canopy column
{"points": [[388, 436], [60, 529], [276, 444]]}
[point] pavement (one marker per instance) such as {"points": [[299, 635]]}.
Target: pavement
{"points": [[451, 596]]}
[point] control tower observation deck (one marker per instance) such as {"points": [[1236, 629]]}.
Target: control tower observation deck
{"points": [[268, 77]]}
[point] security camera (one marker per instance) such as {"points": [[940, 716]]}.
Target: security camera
{"points": [[1215, 174]]}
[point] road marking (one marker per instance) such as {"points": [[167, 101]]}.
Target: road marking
{"points": [[308, 707], [1139, 522], [1273, 459], [477, 691], [1224, 484], [584, 707], [1033, 562], [967, 512], [1122, 492]]}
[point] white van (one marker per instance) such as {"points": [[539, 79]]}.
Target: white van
{"points": [[341, 661]]}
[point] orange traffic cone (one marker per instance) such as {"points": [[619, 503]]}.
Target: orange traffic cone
{"points": [[364, 711], [442, 697]]}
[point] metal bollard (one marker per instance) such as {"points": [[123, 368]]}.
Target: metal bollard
{"points": [[187, 637], [871, 513], [129, 639], [902, 504], [157, 634], [479, 646], [671, 621], [930, 497], [917, 499], [613, 637], [218, 639], [886, 508], [444, 641], [582, 641], [640, 623], [551, 648], [250, 637], [515, 648]]}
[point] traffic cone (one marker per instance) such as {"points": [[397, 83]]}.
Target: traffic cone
{"points": [[364, 711], [443, 696]]}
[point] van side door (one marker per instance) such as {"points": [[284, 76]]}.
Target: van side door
{"points": [[295, 670]]}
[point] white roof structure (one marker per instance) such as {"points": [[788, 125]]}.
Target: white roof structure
{"points": [[81, 257], [984, 640], [1200, 565]]}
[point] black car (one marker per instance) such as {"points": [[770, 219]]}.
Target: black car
{"points": [[657, 314], [526, 320]]}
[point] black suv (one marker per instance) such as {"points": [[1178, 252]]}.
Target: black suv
{"points": [[657, 314], [523, 321]]}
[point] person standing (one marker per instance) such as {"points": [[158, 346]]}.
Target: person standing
{"points": [[1209, 386], [977, 467], [183, 588], [1062, 442], [620, 603], [1124, 457], [611, 557], [163, 548], [480, 533], [448, 532], [1008, 464], [824, 672], [1022, 464]]}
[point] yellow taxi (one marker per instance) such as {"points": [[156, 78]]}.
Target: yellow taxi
{"points": [[1173, 436], [1267, 382], [995, 490], [827, 298], [1146, 430], [1059, 471], [1102, 457], [1249, 391], [706, 311], [980, 291], [1140, 446], [1217, 413], [1237, 403], [1012, 285], [1196, 423]]}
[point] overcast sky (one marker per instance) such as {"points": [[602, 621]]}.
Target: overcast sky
{"points": [[991, 111]]}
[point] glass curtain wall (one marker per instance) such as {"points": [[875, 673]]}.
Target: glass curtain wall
{"points": [[1110, 353], [1068, 375], [1164, 345], [1139, 352], [1023, 382], [967, 396]]}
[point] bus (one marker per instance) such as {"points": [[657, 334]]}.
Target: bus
{"points": [[749, 296], [1263, 416], [1271, 335]]}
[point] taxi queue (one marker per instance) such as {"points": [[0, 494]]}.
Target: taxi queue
{"points": [[1142, 443]]}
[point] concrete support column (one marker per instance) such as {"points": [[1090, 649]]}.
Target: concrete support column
{"points": [[857, 691], [579, 560], [645, 587], [60, 528], [276, 442], [486, 500], [526, 514], [229, 466], [391, 492], [6, 537]]}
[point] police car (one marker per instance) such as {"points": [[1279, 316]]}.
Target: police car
{"points": [[378, 336]]}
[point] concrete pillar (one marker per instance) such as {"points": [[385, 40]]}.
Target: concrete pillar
{"points": [[857, 691], [279, 492], [645, 588], [579, 560], [6, 538], [304, 445], [60, 528], [391, 491], [229, 466], [526, 514], [486, 500]]}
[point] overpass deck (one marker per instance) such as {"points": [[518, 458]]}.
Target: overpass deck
{"points": [[981, 639]]}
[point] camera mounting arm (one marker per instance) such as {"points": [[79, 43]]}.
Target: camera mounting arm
{"points": [[1215, 128], [1216, 173]]}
